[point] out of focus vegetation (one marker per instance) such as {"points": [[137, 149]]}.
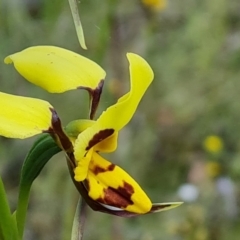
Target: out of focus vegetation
{"points": [[184, 141]]}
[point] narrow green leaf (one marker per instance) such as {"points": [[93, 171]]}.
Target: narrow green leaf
{"points": [[8, 230], [41, 152], [77, 22]]}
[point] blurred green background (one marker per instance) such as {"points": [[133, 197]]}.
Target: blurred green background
{"points": [[183, 143]]}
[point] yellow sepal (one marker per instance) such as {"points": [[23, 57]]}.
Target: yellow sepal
{"points": [[56, 69], [111, 185], [119, 114], [22, 117]]}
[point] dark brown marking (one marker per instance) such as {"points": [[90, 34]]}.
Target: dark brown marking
{"points": [[98, 137], [156, 208], [86, 184], [95, 95], [120, 197], [97, 169], [57, 130], [111, 167]]}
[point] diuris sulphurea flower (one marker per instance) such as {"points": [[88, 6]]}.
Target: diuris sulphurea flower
{"points": [[104, 186]]}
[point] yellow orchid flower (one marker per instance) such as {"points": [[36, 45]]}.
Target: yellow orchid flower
{"points": [[104, 186]]}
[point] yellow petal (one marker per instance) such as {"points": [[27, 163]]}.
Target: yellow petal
{"points": [[111, 185], [22, 117], [56, 69], [119, 114], [107, 145], [74, 128], [81, 171]]}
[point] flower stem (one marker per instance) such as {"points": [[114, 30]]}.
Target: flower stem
{"points": [[79, 220]]}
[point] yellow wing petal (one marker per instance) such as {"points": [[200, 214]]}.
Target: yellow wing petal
{"points": [[119, 114], [56, 69], [111, 185], [81, 171], [22, 117]]}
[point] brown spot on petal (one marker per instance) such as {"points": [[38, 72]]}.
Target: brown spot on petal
{"points": [[97, 169], [127, 190], [98, 137], [111, 167], [120, 197]]}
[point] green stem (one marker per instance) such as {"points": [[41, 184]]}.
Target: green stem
{"points": [[8, 229], [68, 210], [79, 220]]}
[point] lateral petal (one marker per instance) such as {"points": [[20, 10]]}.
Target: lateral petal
{"points": [[119, 114], [56, 69], [81, 171], [111, 185], [22, 117]]}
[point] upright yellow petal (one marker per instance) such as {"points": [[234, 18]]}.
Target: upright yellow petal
{"points": [[111, 185], [22, 117], [119, 114], [56, 69]]}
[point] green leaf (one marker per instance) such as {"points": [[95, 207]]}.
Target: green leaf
{"points": [[77, 22], [8, 229], [41, 152]]}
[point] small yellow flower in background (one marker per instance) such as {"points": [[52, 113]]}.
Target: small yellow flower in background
{"points": [[213, 144], [213, 169], [155, 4], [103, 185]]}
